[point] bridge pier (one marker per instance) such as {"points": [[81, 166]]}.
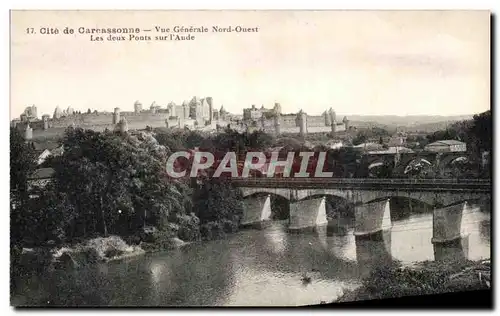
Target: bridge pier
{"points": [[448, 237], [256, 210], [372, 218], [308, 215], [372, 252]]}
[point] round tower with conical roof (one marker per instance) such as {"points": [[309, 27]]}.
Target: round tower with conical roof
{"points": [[137, 107], [45, 120], [57, 112], [171, 109], [302, 120], [210, 109], [333, 115]]}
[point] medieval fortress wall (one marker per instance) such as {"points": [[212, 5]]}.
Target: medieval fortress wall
{"points": [[197, 114], [273, 121]]}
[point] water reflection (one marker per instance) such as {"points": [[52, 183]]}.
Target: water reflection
{"points": [[252, 267], [485, 230], [373, 250], [455, 250]]}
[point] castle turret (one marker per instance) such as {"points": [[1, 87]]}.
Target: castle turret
{"points": [[28, 132], [277, 108], [29, 114], [185, 108], [302, 120], [210, 109], [328, 120], [333, 115], [346, 123], [334, 128], [34, 111], [137, 106], [222, 113], [277, 123], [45, 119], [57, 113], [171, 109], [116, 116], [153, 107]]}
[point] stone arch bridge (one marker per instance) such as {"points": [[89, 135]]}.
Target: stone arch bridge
{"points": [[369, 196], [400, 161]]}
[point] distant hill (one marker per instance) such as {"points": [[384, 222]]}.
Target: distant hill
{"points": [[410, 123]]}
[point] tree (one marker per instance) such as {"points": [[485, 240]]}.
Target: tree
{"points": [[359, 139], [268, 115], [22, 164], [194, 139], [482, 128], [217, 201], [258, 140], [117, 184]]}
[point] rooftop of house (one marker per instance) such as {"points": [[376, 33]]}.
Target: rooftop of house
{"points": [[41, 146], [368, 146], [446, 142], [42, 173], [392, 150]]}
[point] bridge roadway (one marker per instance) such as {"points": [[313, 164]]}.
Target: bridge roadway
{"points": [[474, 185], [370, 197]]}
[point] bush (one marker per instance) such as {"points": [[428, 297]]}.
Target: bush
{"points": [[229, 226], [161, 240], [431, 277], [212, 231], [217, 201], [189, 227]]}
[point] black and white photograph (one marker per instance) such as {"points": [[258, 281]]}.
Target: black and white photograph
{"points": [[250, 158]]}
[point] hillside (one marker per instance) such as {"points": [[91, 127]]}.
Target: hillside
{"points": [[424, 123]]}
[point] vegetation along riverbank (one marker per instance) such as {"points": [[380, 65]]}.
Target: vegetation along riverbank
{"points": [[426, 278]]}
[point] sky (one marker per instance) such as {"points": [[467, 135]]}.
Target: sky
{"points": [[357, 62]]}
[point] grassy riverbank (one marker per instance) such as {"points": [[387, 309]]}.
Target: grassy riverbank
{"points": [[426, 278]]}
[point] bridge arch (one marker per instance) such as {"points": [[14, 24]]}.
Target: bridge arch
{"points": [[450, 160], [285, 193], [280, 205], [407, 159], [419, 161], [399, 197], [339, 193], [429, 198]]}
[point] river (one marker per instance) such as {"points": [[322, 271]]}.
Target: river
{"points": [[249, 268]]}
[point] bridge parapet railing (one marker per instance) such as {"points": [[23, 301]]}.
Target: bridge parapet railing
{"points": [[360, 181]]}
